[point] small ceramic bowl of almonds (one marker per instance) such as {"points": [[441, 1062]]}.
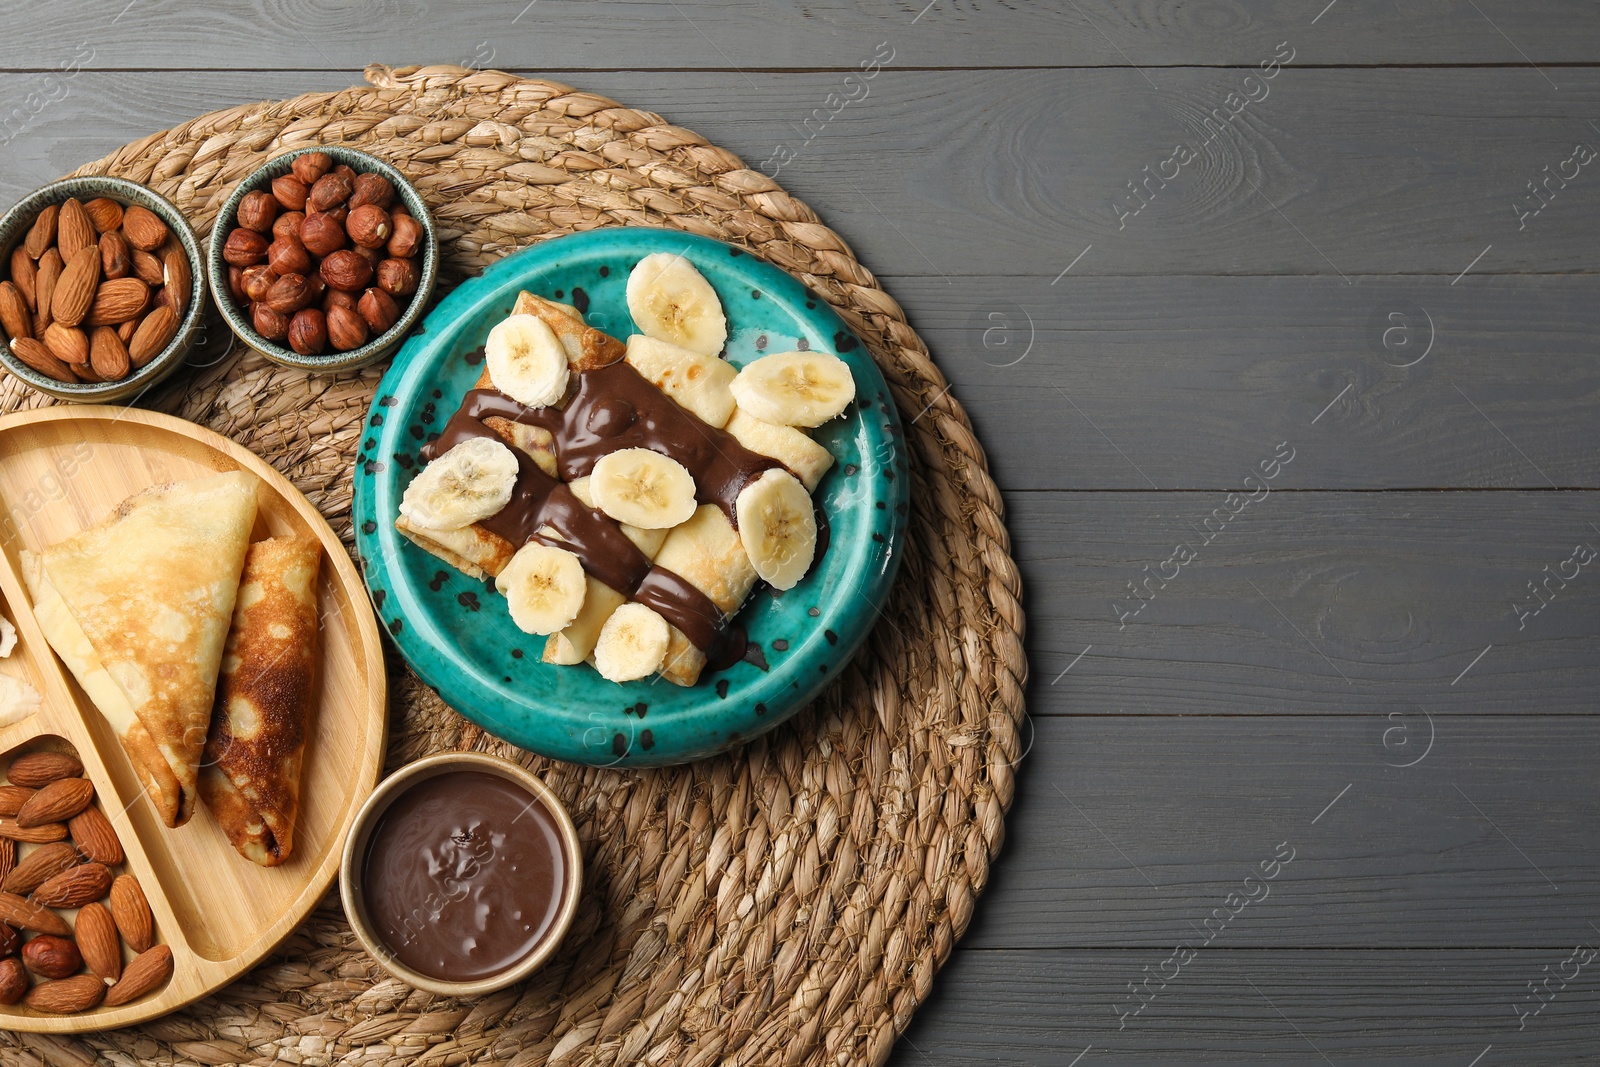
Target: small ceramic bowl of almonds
{"points": [[102, 283], [323, 259]]}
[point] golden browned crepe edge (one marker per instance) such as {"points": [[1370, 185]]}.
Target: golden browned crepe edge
{"points": [[268, 677]]}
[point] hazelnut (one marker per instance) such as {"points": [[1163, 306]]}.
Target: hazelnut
{"points": [[346, 329], [308, 332], [244, 248], [288, 224], [398, 277], [9, 940], [346, 270], [50, 956], [311, 166], [257, 210], [257, 280], [345, 170], [289, 294], [369, 225], [322, 234], [372, 189], [339, 213], [291, 192], [407, 236], [116, 258], [371, 255], [335, 298], [236, 283], [330, 191], [13, 981], [272, 325], [379, 309], [288, 256]]}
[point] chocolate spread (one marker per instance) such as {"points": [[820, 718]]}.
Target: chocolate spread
{"points": [[464, 875]]}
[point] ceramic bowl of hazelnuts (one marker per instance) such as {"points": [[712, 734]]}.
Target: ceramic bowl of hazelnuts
{"points": [[323, 259], [102, 286]]}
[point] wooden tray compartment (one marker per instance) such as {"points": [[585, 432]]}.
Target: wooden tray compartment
{"points": [[62, 469]]}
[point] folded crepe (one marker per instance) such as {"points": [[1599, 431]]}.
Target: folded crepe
{"points": [[138, 608], [250, 778]]}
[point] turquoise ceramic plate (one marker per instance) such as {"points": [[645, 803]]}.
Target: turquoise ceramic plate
{"points": [[454, 630]]}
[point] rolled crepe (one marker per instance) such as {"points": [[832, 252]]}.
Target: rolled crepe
{"points": [[259, 723], [138, 607]]}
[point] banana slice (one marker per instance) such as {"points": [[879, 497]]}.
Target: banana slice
{"points": [[795, 388], [526, 361], [698, 383], [777, 527], [642, 488], [470, 482], [632, 644], [544, 588], [671, 301]]}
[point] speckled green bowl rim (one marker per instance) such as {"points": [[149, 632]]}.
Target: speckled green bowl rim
{"points": [[378, 347], [352, 877], [16, 223]]}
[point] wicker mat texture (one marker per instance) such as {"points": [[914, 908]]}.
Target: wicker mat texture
{"points": [[788, 903]]}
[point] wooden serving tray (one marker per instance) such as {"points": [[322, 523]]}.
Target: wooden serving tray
{"points": [[63, 469]]}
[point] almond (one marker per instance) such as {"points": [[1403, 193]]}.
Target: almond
{"points": [[117, 301], [45, 289], [143, 228], [43, 233], [147, 268], [74, 887], [38, 835], [15, 315], [41, 864], [67, 343], [12, 797], [38, 769], [125, 331], [58, 801], [96, 933], [131, 911], [67, 996], [37, 356], [179, 279], [74, 231], [153, 335], [25, 276], [116, 256], [105, 213], [148, 971], [76, 288], [8, 861], [92, 833], [26, 915], [108, 356]]}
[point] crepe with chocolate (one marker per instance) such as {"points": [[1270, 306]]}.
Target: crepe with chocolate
{"points": [[138, 607], [250, 778], [644, 395]]}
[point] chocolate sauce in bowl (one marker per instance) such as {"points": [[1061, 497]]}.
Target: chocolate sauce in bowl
{"points": [[464, 875]]}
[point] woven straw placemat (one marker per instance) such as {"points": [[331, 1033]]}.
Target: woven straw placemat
{"points": [[788, 903]]}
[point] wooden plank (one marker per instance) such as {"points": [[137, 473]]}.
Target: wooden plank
{"points": [[1014, 173], [711, 34], [1309, 603], [1104, 383], [1133, 831], [1289, 1009]]}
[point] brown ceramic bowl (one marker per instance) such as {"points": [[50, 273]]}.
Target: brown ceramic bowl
{"points": [[352, 870]]}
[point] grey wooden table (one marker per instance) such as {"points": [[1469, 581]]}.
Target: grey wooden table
{"points": [[1278, 320]]}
